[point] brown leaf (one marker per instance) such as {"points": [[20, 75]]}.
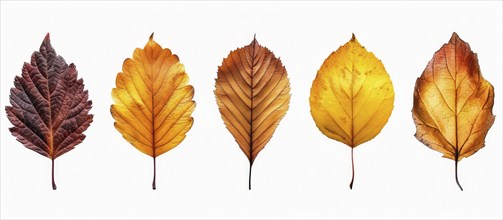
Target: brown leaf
{"points": [[253, 93], [50, 108], [453, 103]]}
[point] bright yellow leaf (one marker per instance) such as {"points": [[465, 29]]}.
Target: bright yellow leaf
{"points": [[352, 96]]}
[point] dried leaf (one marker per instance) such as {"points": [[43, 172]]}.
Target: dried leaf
{"points": [[153, 101], [352, 96], [253, 93], [453, 103], [50, 108]]}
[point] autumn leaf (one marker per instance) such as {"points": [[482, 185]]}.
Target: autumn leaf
{"points": [[453, 103], [352, 96], [153, 101], [50, 108], [253, 93]]}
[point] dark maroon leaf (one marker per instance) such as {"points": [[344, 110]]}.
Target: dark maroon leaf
{"points": [[50, 108]]}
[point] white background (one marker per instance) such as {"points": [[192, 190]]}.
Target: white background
{"points": [[301, 173]]}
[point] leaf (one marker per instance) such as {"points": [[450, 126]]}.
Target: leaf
{"points": [[352, 96], [253, 93], [153, 101], [50, 108], [453, 103]]}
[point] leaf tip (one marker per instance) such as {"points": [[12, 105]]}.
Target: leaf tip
{"points": [[47, 40], [353, 38], [254, 41], [454, 38], [47, 37]]}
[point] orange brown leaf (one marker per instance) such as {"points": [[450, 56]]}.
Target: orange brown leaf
{"points": [[453, 103], [253, 94]]}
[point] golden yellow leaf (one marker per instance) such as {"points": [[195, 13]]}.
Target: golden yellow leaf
{"points": [[253, 93], [352, 96], [453, 103], [153, 101]]}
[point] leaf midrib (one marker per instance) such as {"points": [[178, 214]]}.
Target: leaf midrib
{"points": [[152, 112], [251, 100]]}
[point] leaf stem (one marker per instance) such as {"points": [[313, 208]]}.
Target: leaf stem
{"points": [[353, 169], [249, 177], [153, 182], [456, 172], [52, 172]]}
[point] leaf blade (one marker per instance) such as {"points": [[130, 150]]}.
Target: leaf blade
{"points": [[352, 95], [469, 97]]}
